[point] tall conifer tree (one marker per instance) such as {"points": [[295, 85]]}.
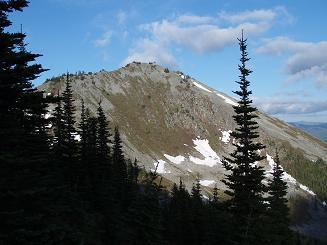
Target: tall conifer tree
{"points": [[26, 179], [103, 140], [244, 181], [278, 231], [119, 168], [69, 132]]}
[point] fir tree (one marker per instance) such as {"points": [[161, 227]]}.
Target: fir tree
{"points": [[104, 135], [84, 168], [142, 223], [245, 178], [119, 167], [27, 184], [179, 228], [58, 130], [197, 211], [215, 195], [69, 152], [278, 211]]}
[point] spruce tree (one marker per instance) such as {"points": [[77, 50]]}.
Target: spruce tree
{"points": [[197, 210], [215, 195], [142, 223], [69, 152], [278, 231], [179, 228], [103, 140], [58, 130], [84, 168], [27, 183], [244, 181], [119, 169]]}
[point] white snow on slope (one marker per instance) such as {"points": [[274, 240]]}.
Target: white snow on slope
{"points": [[207, 182], [161, 167], [227, 100], [226, 136], [201, 87], [287, 177], [210, 156], [176, 160], [77, 136]]}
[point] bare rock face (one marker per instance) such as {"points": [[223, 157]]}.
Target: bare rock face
{"points": [[171, 121]]}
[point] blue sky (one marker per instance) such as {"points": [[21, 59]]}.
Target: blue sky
{"points": [[287, 43]]}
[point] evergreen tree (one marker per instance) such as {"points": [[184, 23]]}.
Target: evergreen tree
{"points": [[104, 160], [84, 185], [215, 195], [179, 228], [27, 185], [197, 210], [69, 152], [245, 178], [83, 132], [278, 211], [142, 223], [104, 135], [119, 175], [58, 130]]}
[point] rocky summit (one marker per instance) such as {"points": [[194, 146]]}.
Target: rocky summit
{"points": [[181, 128]]}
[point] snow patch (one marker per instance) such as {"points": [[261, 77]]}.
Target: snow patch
{"points": [[206, 182], [286, 177], [305, 188], [176, 160], [210, 156], [205, 197], [201, 87], [227, 100], [189, 170], [47, 115], [161, 167], [77, 137], [226, 136], [324, 203]]}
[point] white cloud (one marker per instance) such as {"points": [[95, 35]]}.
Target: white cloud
{"points": [[200, 34], [281, 45], [194, 19], [261, 15], [104, 40], [288, 106], [148, 51], [255, 15], [202, 38], [306, 61]]}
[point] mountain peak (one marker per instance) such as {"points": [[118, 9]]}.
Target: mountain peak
{"points": [[173, 122]]}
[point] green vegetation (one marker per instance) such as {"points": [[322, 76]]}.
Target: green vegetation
{"points": [[311, 174]]}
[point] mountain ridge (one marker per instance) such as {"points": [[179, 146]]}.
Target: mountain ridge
{"points": [[181, 126], [317, 129]]}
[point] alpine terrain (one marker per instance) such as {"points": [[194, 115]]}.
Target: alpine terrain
{"points": [[182, 128]]}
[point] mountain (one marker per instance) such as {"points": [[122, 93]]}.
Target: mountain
{"points": [[317, 129], [180, 126]]}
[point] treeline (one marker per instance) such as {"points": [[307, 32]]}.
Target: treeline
{"points": [[73, 185], [311, 174]]}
